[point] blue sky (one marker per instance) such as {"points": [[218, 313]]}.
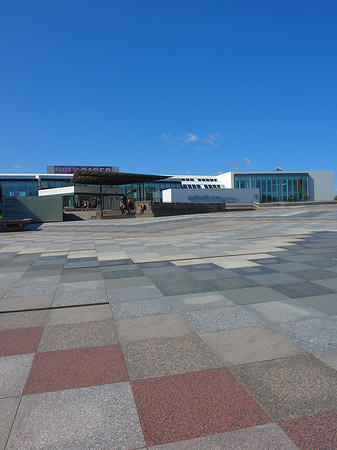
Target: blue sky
{"points": [[168, 86]]}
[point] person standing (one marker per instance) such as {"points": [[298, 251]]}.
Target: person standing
{"points": [[122, 208], [128, 206]]}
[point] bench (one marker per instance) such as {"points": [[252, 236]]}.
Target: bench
{"points": [[14, 224]]}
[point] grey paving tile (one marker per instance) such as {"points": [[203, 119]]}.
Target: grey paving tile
{"points": [[138, 308], [214, 274], [274, 278], [42, 273], [247, 345], [78, 335], [79, 315], [3, 292], [238, 282], [254, 270], [161, 270], [285, 311], [127, 282], [152, 327], [297, 290], [80, 298], [101, 417], [184, 288], [190, 302], [250, 295], [323, 263], [22, 303], [120, 268], [291, 267], [327, 304], [122, 274], [31, 290], [290, 387], [329, 357], [162, 357], [69, 278], [329, 284], [314, 274], [315, 335], [172, 278], [228, 318], [78, 286], [8, 408], [11, 321], [14, 371], [263, 437], [133, 293]]}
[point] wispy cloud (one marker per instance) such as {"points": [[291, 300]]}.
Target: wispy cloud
{"points": [[210, 142], [243, 161], [17, 166]]}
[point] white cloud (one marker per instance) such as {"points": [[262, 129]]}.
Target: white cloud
{"points": [[17, 166], [190, 137], [205, 144], [239, 163]]}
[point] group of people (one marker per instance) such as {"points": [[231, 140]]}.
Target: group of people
{"points": [[128, 207], [86, 204]]}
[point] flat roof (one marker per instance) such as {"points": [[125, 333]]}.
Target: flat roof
{"points": [[113, 178]]}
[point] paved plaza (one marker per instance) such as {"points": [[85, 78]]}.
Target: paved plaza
{"points": [[202, 332]]}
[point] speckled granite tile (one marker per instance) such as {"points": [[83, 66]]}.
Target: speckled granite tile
{"points": [[290, 387], [133, 293], [274, 278], [80, 298], [76, 335], [91, 313], [252, 295], [3, 292], [318, 432], [68, 369], [205, 300], [297, 290], [315, 335], [32, 290], [224, 284], [8, 408], [329, 357], [184, 288], [25, 319], [327, 304], [262, 437], [132, 282], [228, 318], [139, 308], [161, 357], [247, 345], [285, 311], [14, 371], [24, 303], [96, 417], [194, 404], [152, 327], [19, 341]]}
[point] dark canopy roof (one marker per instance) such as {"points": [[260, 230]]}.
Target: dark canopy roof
{"points": [[82, 176]]}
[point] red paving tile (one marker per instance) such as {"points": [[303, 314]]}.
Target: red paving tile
{"points": [[195, 404], [68, 369], [318, 432], [19, 341]]}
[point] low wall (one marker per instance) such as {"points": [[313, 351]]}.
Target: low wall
{"points": [[39, 209], [172, 209]]}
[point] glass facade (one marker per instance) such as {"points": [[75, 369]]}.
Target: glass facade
{"points": [[278, 187]]}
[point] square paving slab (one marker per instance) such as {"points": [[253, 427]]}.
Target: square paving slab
{"points": [[161, 357], [262, 437], [68, 369], [318, 432], [102, 417], [8, 408], [194, 404], [290, 387], [19, 341], [14, 371], [247, 345]]}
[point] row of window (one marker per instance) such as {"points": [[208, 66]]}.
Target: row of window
{"points": [[199, 179]]}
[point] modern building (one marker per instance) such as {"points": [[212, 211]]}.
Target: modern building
{"points": [[273, 186]]}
